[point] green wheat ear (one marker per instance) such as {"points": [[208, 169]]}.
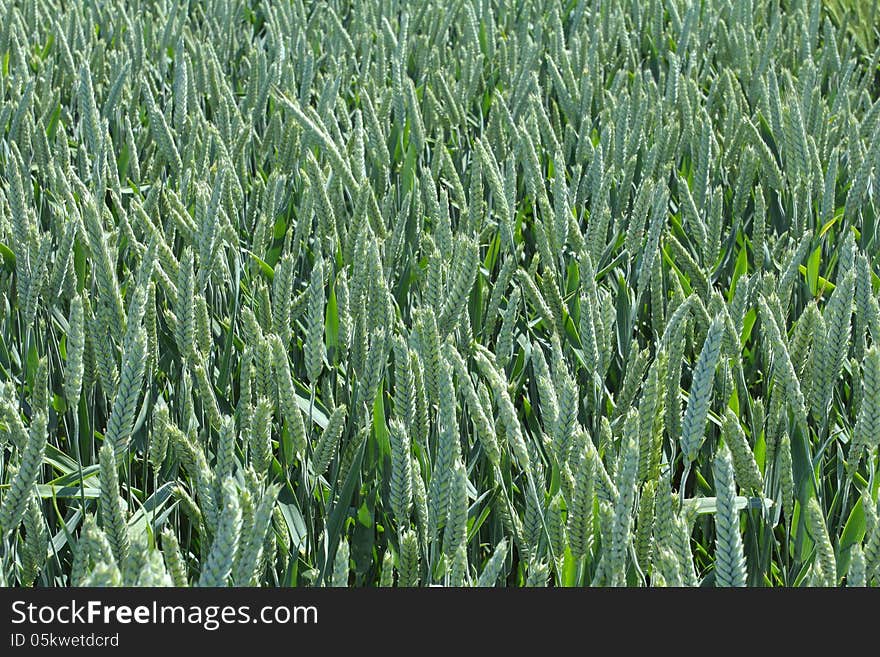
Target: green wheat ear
{"points": [[857, 573], [314, 342], [340, 565], [251, 547], [455, 529], [408, 559], [621, 528], [325, 448], [218, 565], [16, 498], [386, 575], [730, 563], [76, 342], [866, 433], [36, 544], [122, 415], [748, 475], [786, 477], [494, 566], [174, 561], [694, 422], [401, 475], [112, 505], [825, 565], [287, 395], [580, 513], [645, 526], [830, 360], [260, 447]]}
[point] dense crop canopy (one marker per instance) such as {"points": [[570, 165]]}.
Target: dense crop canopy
{"points": [[483, 293]]}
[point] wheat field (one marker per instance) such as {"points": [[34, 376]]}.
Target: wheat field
{"points": [[473, 293]]}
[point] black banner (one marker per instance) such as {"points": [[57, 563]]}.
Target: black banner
{"points": [[136, 620]]}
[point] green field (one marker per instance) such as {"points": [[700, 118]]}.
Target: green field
{"points": [[469, 293]]}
